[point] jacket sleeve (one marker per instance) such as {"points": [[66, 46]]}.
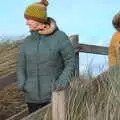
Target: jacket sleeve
{"points": [[112, 58], [68, 55], [20, 67]]}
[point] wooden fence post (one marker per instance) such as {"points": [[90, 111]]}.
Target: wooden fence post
{"points": [[59, 97], [75, 40], [59, 105]]}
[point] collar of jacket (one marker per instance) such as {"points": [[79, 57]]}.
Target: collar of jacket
{"points": [[35, 33], [52, 29]]}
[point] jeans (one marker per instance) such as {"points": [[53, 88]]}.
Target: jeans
{"points": [[32, 107]]}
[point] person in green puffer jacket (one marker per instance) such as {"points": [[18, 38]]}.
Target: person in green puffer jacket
{"points": [[45, 60]]}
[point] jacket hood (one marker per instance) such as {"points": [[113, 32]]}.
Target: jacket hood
{"points": [[51, 29]]}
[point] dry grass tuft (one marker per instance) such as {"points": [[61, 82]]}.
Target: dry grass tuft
{"points": [[96, 99], [11, 101], [8, 52]]}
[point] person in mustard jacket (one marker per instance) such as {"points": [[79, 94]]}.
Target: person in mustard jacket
{"points": [[114, 48], [111, 76], [45, 59]]}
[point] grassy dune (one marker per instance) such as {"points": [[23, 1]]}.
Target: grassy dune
{"points": [[89, 99], [11, 101], [8, 52]]}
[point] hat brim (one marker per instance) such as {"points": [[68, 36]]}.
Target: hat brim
{"points": [[41, 20]]}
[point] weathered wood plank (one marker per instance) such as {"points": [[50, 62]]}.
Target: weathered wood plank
{"points": [[19, 115], [74, 40], [59, 105], [94, 49], [39, 114]]}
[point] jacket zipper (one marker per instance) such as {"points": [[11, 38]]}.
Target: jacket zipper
{"points": [[38, 42]]}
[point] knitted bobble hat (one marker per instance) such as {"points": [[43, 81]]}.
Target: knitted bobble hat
{"points": [[37, 11]]}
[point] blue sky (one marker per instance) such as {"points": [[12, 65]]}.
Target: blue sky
{"points": [[90, 19]]}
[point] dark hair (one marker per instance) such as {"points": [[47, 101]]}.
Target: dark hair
{"points": [[47, 21], [116, 21]]}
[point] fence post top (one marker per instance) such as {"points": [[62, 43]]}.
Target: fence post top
{"points": [[74, 40]]}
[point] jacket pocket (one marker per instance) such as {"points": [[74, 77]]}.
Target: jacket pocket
{"points": [[31, 90], [46, 86]]}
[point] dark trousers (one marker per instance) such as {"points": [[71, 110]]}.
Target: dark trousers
{"points": [[32, 107]]}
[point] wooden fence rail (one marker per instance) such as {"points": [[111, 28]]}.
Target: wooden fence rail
{"points": [[94, 49]]}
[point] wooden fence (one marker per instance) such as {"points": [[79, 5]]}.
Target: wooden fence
{"points": [[86, 49], [58, 98]]}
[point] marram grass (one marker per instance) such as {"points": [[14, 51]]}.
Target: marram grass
{"points": [[96, 99], [8, 52]]}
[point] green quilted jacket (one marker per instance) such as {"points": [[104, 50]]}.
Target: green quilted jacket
{"points": [[44, 63]]}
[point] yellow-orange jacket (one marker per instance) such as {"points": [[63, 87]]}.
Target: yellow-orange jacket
{"points": [[112, 51]]}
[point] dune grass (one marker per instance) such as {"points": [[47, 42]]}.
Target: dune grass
{"points": [[8, 52], [91, 99]]}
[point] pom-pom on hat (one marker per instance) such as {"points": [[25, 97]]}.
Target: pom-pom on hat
{"points": [[37, 11]]}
